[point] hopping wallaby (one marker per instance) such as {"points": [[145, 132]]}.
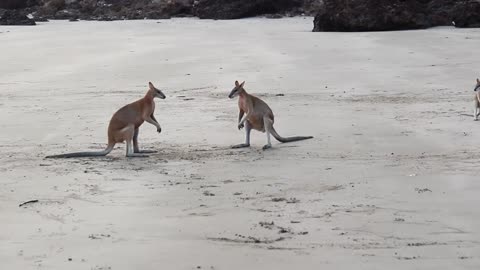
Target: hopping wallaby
{"points": [[476, 101], [124, 126], [255, 114]]}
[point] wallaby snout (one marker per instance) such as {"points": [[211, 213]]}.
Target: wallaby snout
{"points": [[162, 96]]}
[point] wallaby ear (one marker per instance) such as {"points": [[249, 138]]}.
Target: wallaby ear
{"points": [[241, 85], [151, 85], [236, 83]]}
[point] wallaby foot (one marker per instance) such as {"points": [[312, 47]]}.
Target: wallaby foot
{"points": [[145, 151], [136, 155], [243, 145], [130, 149], [267, 146]]}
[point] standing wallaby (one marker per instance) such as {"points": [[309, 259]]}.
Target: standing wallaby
{"points": [[124, 126], [476, 101], [255, 114]]}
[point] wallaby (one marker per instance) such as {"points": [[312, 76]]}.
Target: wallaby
{"points": [[476, 101], [124, 126], [255, 114]]}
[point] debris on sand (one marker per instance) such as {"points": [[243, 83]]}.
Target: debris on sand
{"points": [[267, 225], [422, 190], [27, 202], [98, 236], [246, 239], [293, 200], [208, 193]]}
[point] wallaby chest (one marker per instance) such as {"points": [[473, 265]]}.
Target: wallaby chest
{"points": [[242, 104], [148, 107]]}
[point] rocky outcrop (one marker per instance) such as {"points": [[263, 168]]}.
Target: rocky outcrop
{"points": [[114, 9], [160, 9], [236, 9], [466, 15], [379, 15], [15, 17], [17, 4]]}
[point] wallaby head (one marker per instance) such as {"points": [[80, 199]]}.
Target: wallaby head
{"points": [[156, 92], [237, 90], [477, 87]]}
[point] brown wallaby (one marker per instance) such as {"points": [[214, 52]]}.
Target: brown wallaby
{"points": [[255, 114], [124, 126], [476, 101]]}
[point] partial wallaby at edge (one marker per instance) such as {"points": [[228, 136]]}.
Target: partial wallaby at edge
{"points": [[476, 101], [124, 126], [256, 114]]}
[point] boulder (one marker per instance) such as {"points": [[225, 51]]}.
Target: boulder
{"points": [[236, 9], [14, 17], [466, 14], [17, 4], [379, 15]]}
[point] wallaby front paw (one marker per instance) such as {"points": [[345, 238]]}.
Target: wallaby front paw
{"points": [[240, 126], [159, 130]]}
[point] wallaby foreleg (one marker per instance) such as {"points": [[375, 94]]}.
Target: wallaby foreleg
{"points": [[151, 119], [240, 116], [241, 123], [248, 129]]}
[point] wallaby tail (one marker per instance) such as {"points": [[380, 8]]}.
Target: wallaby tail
{"points": [[85, 154], [288, 139]]}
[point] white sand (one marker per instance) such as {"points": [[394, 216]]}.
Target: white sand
{"points": [[389, 112]]}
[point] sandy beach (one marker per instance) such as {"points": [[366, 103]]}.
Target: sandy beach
{"points": [[390, 181]]}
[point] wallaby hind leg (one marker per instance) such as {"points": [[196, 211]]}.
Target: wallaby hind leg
{"points": [[136, 149], [128, 134], [248, 129], [267, 122], [475, 110]]}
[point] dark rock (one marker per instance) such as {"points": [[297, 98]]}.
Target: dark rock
{"points": [[236, 9], [17, 4], [132, 9], [311, 7], [466, 14], [15, 17], [160, 9], [379, 15], [370, 15], [39, 19], [274, 16], [66, 15]]}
